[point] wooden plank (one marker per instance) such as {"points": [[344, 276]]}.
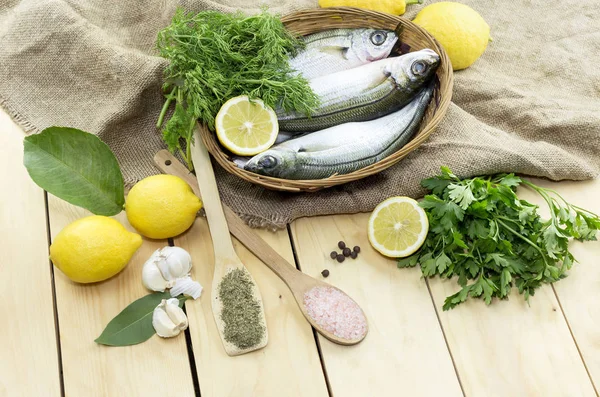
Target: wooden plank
{"points": [[404, 353], [29, 363], [511, 348], [579, 293], [157, 367], [288, 366]]}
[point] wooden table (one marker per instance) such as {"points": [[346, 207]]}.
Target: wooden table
{"points": [[48, 324]]}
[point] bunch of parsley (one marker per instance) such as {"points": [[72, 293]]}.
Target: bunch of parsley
{"points": [[214, 57], [481, 232]]}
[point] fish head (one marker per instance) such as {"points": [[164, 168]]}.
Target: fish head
{"points": [[373, 44], [412, 70], [273, 162]]}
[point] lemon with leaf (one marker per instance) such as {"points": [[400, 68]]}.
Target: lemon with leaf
{"points": [[162, 206], [93, 249], [462, 32]]}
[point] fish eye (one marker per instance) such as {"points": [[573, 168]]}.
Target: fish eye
{"points": [[267, 162], [378, 37], [418, 67]]}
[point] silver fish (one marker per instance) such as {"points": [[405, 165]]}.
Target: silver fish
{"points": [[364, 93], [341, 49], [344, 148], [282, 136]]}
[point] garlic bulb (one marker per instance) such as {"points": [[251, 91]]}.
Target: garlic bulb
{"points": [[168, 319], [169, 268]]}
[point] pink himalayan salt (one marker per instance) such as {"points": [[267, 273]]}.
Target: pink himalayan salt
{"points": [[336, 312]]}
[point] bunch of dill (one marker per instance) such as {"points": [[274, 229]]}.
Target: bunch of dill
{"points": [[214, 57]]}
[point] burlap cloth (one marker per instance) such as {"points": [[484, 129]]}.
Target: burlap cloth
{"points": [[530, 105]]}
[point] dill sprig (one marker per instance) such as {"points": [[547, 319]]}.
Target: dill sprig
{"points": [[214, 57]]}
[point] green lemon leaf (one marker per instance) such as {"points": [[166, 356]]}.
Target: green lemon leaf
{"points": [[134, 324], [77, 167]]}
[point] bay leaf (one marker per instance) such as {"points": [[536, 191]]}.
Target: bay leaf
{"points": [[77, 167], [134, 324]]}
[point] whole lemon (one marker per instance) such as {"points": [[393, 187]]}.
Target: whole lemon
{"points": [[162, 206], [93, 249], [460, 30]]}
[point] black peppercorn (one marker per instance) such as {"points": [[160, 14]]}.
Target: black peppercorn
{"points": [[325, 273], [356, 249], [346, 252], [333, 254], [354, 254], [342, 245], [340, 258]]}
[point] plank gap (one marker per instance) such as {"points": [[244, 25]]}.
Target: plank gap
{"points": [[189, 346], [294, 252], [191, 358], [315, 333], [462, 389], [323, 366], [61, 378], [574, 340]]}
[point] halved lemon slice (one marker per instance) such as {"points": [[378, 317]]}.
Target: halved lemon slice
{"points": [[246, 127], [398, 227]]}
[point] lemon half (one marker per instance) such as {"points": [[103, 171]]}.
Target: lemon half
{"points": [[246, 127], [398, 227]]}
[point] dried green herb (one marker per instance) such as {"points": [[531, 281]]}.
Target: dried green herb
{"points": [[241, 312]]}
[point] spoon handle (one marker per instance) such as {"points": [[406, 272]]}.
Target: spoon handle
{"points": [[168, 164], [259, 247], [210, 197]]}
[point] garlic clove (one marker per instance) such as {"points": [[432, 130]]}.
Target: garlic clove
{"points": [[169, 267], [186, 286], [174, 263], [176, 314], [152, 277], [162, 323], [168, 319]]}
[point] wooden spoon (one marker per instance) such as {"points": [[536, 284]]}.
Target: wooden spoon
{"points": [[299, 283], [226, 260]]}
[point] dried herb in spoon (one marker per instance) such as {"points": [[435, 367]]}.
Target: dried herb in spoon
{"points": [[241, 312]]}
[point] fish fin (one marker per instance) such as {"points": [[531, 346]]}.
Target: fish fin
{"points": [[335, 50], [345, 52], [240, 161], [283, 136]]}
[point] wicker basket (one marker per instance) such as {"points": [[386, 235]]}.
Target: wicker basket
{"points": [[307, 22]]}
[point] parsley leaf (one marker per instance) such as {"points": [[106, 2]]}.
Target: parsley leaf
{"points": [[410, 261], [461, 194], [510, 180], [482, 233]]}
